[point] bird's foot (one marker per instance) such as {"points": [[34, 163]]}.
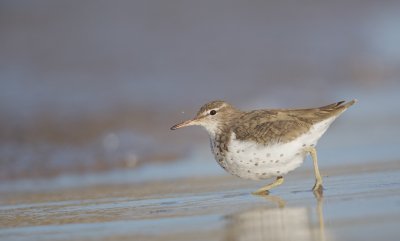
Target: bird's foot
{"points": [[265, 190], [318, 189], [261, 193]]}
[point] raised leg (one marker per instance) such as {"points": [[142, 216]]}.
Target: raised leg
{"points": [[318, 179], [265, 190]]}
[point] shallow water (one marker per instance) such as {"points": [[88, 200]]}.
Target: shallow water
{"points": [[356, 205]]}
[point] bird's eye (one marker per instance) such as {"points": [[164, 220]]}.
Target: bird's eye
{"points": [[213, 112]]}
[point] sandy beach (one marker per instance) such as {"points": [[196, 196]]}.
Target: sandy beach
{"points": [[355, 201]]}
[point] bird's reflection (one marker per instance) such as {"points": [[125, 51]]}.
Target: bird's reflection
{"points": [[278, 223]]}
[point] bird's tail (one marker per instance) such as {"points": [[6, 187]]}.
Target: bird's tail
{"points": [[341, 105], [350, 103], [335, 109]]}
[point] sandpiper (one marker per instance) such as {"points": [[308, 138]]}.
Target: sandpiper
{"points": [[261, 144]]}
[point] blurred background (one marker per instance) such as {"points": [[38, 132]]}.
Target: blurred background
{"points": [[89, 89]]}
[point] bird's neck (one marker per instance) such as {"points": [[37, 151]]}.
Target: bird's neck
{"points": [[214, 131]]}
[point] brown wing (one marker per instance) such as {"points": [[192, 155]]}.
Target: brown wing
{"points": [[269, 127], [283, 125]]}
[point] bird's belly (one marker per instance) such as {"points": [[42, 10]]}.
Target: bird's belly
{"points": [[260, 162]]}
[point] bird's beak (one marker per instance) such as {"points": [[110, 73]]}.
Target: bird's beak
{"points": [[184, 124]]}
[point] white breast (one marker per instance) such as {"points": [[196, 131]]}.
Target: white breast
{"points": [[250, 160]]}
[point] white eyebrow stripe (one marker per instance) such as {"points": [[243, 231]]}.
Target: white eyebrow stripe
{"points": [[216, 109]]}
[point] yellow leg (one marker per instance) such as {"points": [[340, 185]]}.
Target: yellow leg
{"points": [[265, 190], [318, 179]]}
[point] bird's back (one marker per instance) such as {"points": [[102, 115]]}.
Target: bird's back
{"points": [[283, 125]]}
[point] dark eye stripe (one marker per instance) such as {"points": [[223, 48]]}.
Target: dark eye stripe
{"points": [[213, 112]]}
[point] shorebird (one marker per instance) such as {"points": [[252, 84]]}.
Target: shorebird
{"points": [[261, 144]]}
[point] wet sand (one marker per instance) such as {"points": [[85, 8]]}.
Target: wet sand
{"points": [[360, 202]]}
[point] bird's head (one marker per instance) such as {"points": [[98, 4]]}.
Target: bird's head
{"points": [[213, 116]]}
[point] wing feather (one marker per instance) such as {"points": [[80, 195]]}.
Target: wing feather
{"points": [[283, 125]]}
